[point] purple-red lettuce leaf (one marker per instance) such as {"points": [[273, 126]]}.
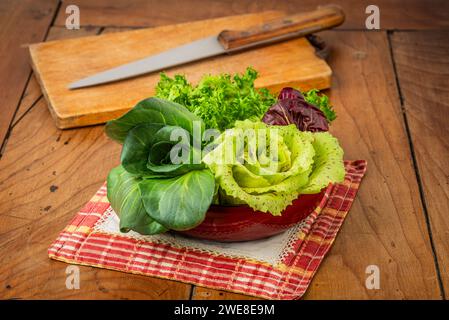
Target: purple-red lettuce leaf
{"points": [[292, 108]]}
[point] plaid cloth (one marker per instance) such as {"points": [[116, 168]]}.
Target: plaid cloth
{"points": [[79, 243]]}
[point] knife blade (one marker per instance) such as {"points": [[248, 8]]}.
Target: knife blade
{"points": [[227, 41]]}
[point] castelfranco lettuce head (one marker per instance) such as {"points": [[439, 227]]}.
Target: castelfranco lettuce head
{"points": [[170, 173], [267, 167]]}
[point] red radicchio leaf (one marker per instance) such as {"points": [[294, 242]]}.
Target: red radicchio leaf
{"points": [[292, 108]]}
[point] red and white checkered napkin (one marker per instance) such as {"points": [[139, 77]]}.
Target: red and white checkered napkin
{"points": [[280, 267]]}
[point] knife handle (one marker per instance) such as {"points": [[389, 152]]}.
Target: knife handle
{"points": [[288, 27]]}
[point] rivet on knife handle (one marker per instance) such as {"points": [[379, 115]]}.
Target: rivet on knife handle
{"points": [[288, 27]]}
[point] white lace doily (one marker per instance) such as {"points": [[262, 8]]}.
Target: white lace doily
{"points": [[270, 250]]}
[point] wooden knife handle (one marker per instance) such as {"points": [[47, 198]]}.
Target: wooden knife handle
{"points": [[288, 27]]}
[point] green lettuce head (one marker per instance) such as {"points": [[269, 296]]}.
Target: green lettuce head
{"points": [[267, 167]]}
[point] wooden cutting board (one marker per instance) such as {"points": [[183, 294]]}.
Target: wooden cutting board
{"points": [[58, 63]]}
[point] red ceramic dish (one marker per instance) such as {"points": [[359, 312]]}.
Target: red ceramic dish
{"points": [[241, 223]]}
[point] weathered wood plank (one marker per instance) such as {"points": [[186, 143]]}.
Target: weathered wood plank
{"points": [[117, 29], [30, 97], [386, 225], [40, 158], [200, 293], [422, 62], [56, 33], [412, 14], [46, 175], [22, 22]]}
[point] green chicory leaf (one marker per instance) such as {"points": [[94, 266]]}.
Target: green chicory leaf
{"points": [[180, 203], [328, 162], [219, 100], [301, 162], [163, 181], [126, 200], [265, 181]]}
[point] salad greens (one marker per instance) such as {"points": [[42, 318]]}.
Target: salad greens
{"points": [[150, 192], [303, 162], [180, 202], [328, 162], [221, 100], [153, 111], [265, 152], [218, 100]]}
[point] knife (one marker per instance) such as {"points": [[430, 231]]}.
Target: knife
{"points": [[227, 41]]}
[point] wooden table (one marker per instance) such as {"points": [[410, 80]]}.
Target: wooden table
{"points": [[391, 93]]}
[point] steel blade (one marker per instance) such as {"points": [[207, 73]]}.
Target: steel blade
{"points": [[200, 49]]}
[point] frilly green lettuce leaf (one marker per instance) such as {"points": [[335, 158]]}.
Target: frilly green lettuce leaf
{"points": [[272, 202], [219, 100], [328, 163], [126, 200], [266, 182]]}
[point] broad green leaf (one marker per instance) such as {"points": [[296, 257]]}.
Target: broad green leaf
{"points": [[328, 164], [136, 147], [146, 152], [160, 160], [164, 141], [152, 111], [179, 203], [173, 170], [124, 195]]}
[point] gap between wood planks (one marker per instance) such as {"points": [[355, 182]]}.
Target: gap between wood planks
{"points": [[12, 122], [8, 132], [415, 167]]}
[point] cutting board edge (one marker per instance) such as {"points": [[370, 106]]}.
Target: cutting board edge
{"points": [[57, 118]]}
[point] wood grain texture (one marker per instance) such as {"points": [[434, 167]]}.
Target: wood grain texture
{"points": [[410, 14], [46, 176], [22, 22], [386, 225], [201, 293], [30, 97], [32, 91], [59, 63], [422, 62]]}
